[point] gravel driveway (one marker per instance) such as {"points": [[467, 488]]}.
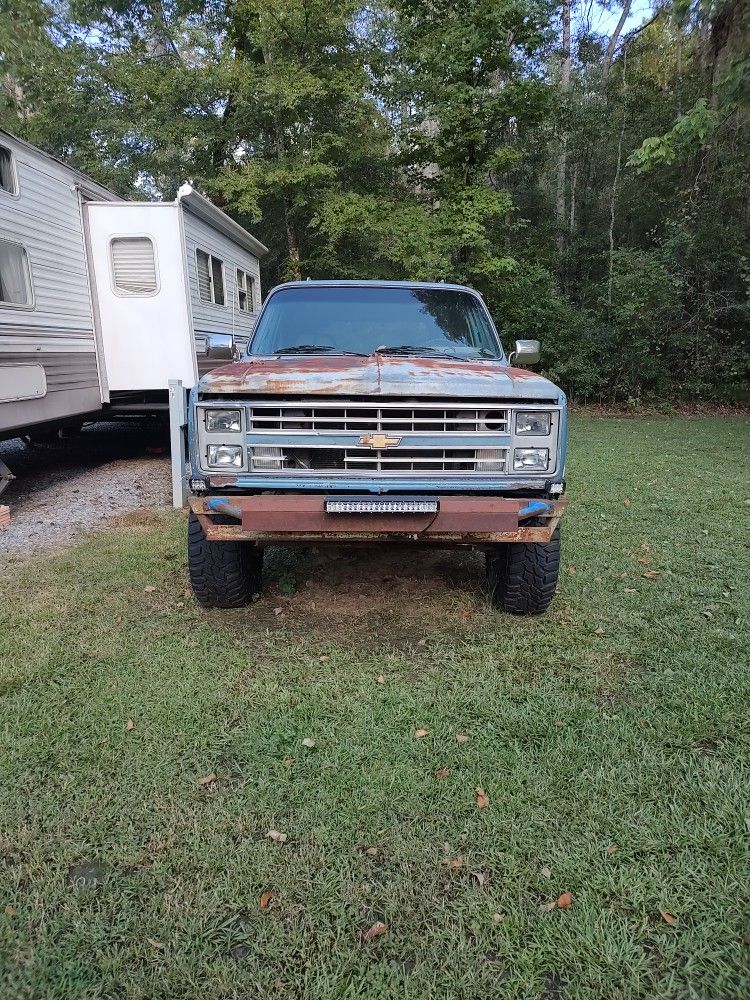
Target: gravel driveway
{"points": [[69, 488]]}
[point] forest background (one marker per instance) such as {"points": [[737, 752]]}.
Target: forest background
{"points": [[583, 164]]}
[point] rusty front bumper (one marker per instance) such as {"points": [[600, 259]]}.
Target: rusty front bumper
{"points": [[459, 520]]}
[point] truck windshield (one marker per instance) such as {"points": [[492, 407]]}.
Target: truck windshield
{"points": [[324, 319]]}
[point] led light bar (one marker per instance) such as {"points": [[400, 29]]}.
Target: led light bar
{"points": [[367, 505]]}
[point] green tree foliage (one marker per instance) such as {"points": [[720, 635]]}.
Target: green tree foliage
{"points": [[596, 195]]}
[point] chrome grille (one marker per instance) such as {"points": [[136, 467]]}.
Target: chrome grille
{"points": [[437, 417], [365, 460]]}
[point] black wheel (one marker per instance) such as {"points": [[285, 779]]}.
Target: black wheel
{"points": [[222, 574], [522, 576]]}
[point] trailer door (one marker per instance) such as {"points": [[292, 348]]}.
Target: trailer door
{"points": [[141, 295]]}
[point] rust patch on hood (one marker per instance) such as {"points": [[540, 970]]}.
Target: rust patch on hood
{"points": [[375, 375]]}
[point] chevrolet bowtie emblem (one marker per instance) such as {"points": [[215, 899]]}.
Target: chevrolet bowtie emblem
{"points": [[378, 441]]}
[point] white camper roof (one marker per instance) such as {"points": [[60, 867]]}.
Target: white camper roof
{"points": [[208, 212], [90, 187]]}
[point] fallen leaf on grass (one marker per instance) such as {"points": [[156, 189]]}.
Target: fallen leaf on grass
{"points": [[381, 679], [421, 642], [324, 658], [149, 589], [278, 838], [483, 799], [483, 878], [442, 772], [668, 918], [10, 911], [373, 852], [155, 944], [454, 863], [559, 723], [547, 872], [265, 899], [288, 761], [599, 631], [626, 502], [611, 849], [745, 937], [278, 611], [209, 779], [461, 738], [630, 590], [644, 560], [420, 733], [377, 930], [650, 574], [565, 901], [307, 742], [572, 569], [129, 725], [546, 907], [497, 917]]}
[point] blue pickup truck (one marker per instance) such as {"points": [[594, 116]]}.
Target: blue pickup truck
{"points": [[376, 411]]}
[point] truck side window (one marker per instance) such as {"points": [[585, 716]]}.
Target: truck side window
{"points": [[15, 275], [133, 265], [210, 277], [7, 172]]}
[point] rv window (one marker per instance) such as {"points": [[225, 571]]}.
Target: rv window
{"points": [[133, 266], [7, 171], [15, 277], [245, 291], [210, 277]]}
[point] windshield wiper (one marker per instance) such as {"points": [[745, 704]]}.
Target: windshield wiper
{"points": [[316, 349], [409, 349]]}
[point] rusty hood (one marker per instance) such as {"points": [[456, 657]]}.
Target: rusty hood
{"points": [[375, 375]]}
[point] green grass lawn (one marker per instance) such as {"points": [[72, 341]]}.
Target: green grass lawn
{"points": [[611, 737]]}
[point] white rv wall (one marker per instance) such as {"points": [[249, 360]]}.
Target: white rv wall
{"points": [[146, 339], [56, 332], [208, 317]]}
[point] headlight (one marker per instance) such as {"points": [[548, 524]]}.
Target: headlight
{"points": [[533, 422], [531, 459], [220, 456], [223, 420]]}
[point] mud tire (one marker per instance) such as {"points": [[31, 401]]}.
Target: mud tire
{"points": [[223, 574], [522, 576]]}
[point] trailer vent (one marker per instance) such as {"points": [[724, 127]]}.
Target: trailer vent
{"points": [[134, 266]]}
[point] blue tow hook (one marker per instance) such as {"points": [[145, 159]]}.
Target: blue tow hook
{"points": [[534, 508], [219, 505]]}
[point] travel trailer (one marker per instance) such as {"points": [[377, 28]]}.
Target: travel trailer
{"points": [[103, 301]]}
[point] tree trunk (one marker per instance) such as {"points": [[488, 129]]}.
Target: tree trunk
{"points": [[573, 182], [612, 44], [294, 268], [562, 162], [612, 204]]}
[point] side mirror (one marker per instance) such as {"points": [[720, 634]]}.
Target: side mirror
{"points": [[527, 352], [220, 347]]}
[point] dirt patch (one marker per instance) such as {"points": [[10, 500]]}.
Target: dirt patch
{"points": [[389, 596]]}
